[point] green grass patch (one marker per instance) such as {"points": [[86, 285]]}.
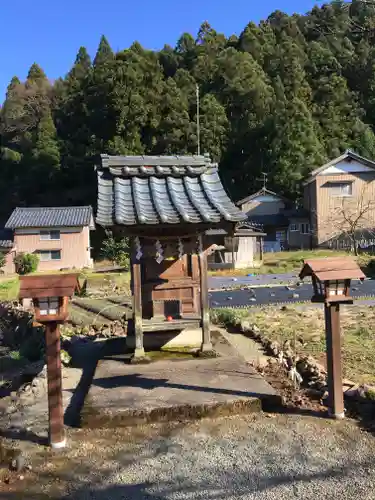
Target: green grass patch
{"points": [[281, 262], [303, 326], [9, 288], [285, 262], [108, 283], [98, 281]]}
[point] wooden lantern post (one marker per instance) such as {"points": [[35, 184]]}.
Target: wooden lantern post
{"points": [[331, 284], [50, 298]]}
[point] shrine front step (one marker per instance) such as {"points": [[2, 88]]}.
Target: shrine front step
{"points": [[125, 395]]}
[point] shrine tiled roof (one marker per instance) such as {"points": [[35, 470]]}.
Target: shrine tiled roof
{"points": [[153, 190]]}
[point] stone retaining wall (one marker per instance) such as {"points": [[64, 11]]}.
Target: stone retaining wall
{"points": [[313, 374]]}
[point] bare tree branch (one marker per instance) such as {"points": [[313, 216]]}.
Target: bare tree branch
{"points": [[351, 218]]}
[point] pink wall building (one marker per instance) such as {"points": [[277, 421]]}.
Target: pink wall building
{"points": [[60, 236]]}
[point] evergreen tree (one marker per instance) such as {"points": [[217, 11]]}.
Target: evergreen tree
{"points": [[209, 44], [185, 49], [35, 74], [335, 108], [104, 53], [295, 147], [214, 127], [46, 151], [169, 61], [174, 134], [12, 108], [283, 97], [288, 62], [11, 112], [81, 67], [247, 96]]}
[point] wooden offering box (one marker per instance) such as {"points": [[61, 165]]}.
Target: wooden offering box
{"points": [[171, 288]]}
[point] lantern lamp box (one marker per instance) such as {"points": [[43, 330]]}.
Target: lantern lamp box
{"points": [[50, 294], [331, 278]]}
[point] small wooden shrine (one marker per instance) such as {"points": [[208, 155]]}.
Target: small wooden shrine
{"points": [[242, 249], [165, 204]]}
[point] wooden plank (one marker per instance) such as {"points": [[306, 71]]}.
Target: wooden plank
{"points": [[332, 263], [341, 274], [39, 293], [177, 325], [40, 281], [332, 268], [55, 285]]}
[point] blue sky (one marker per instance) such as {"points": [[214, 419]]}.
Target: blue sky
{"points": [[50, 33]]}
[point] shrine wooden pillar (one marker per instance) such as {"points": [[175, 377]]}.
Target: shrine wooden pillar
{"points": [[205, 310], [136, 277]]}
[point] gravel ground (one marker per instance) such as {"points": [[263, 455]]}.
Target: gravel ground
{"points": [[252, 457]]}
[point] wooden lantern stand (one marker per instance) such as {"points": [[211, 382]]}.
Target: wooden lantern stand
{"points": [[50, 298], [334, 365], [331, 283]]}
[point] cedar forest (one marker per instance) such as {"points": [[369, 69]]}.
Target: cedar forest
{"points": [[283, 97]]}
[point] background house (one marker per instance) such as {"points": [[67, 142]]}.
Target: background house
{"points": [[59, 235], [340, 197], [285, 225]]}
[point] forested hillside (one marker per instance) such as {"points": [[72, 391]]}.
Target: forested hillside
{"points": [[282, 98]]}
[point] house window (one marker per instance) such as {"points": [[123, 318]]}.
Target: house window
{"points": [[305, 228], [280, 236], [341, 189], [46, 255], [50, 235], [293, 227]]}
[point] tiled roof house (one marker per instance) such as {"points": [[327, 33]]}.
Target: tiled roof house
{"points": [[59, 235]]}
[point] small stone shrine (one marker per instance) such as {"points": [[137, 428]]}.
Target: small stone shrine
{"points": [[165, 204]]}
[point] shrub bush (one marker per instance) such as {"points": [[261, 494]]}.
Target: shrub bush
{"points": [[369, 269], [2, 260], [26, 263], [117, 251]]}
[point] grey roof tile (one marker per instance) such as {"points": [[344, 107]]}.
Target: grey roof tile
{"points": [[162, 189], [50, 217]]}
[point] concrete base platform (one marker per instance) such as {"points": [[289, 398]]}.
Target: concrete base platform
{"points": [[187, 337], [123, 394]]}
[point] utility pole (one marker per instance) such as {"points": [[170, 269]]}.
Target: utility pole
{"points": [[198, 124]]}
